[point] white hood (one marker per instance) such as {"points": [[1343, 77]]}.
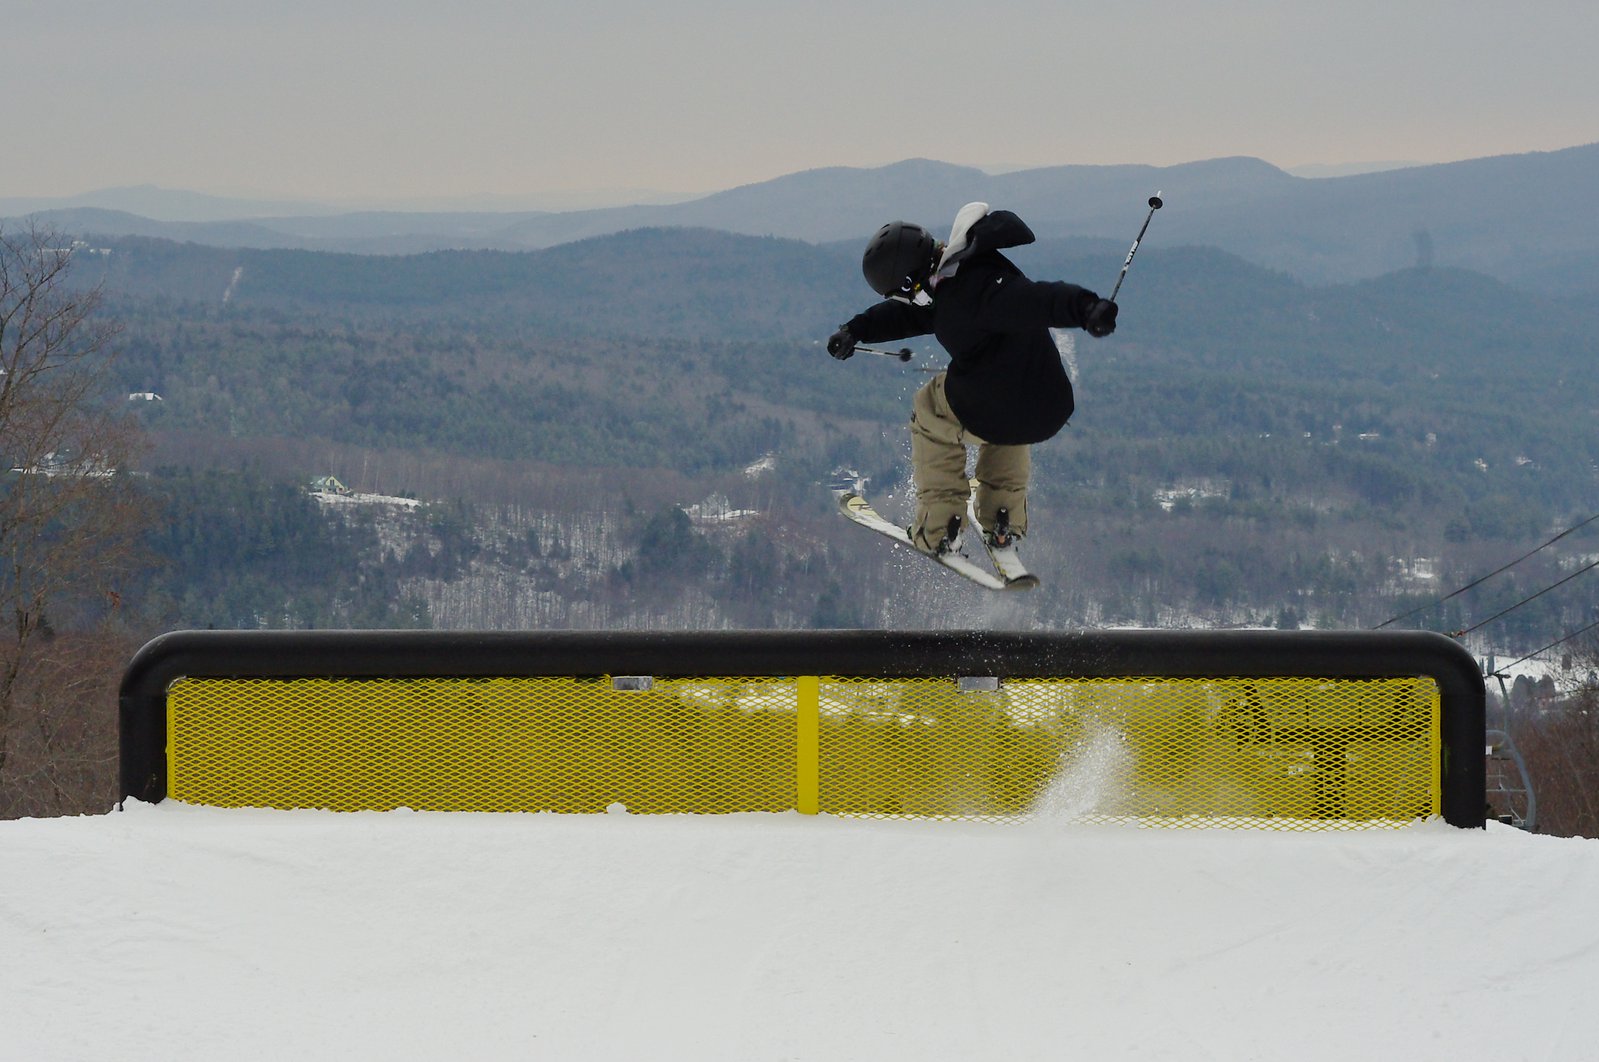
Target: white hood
{"points": [[957, 247]]}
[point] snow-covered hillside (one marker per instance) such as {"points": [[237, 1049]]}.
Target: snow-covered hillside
{"points": [[175, 932]]}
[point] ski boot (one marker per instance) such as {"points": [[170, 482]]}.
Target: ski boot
{"points": [[1000, 536], [1001, 541], [949, 543]]}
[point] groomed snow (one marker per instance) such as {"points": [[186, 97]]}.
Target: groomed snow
{"points": [[176, 932]]}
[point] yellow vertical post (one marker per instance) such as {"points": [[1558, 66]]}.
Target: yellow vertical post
{"points": [[808, 745], [172, 728], [1435, 741]]}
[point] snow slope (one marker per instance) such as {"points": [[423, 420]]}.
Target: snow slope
{"points": [[176, 932]]}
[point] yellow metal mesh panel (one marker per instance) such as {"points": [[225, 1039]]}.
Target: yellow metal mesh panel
{"points": [[1281, 752], [492, 744]]}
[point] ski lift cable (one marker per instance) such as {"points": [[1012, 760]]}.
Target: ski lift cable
{"points": [[1500, 672], [1523, 601], [1478, 582]]}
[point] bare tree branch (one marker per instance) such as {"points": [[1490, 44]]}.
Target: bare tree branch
{"points": [[69, 518]]}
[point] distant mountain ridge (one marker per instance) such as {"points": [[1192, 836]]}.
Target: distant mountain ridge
{"points": [[174, 204], [1508, 216], [163, 204]]}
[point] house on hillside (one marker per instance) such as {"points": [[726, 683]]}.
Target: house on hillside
{"points": [[330, 485], [62, 463]]}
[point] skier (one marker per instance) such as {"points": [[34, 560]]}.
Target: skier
{"points": [[1005, 387]]}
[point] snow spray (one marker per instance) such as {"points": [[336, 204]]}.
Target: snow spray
{"points": [[1089, 777]]}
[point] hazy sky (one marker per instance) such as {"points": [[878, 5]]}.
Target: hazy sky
{"points": [[389, 99]]}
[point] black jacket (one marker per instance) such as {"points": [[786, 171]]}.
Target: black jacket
{"points": [[1006, 382]]}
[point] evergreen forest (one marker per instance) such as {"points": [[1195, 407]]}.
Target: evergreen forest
{"points": [[639, 430]]}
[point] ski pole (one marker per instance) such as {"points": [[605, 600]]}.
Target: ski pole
{"points": [[903, 354], [1155, 203]]}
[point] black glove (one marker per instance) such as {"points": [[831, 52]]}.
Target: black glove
{"points": [[1101, 319], [841, 344]]}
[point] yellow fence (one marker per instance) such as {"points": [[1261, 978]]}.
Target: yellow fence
{"points": [[1277, 751]]}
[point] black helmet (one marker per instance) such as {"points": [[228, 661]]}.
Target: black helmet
{"points": [[899, 258]]}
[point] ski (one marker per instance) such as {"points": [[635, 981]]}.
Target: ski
{"points": [[860, 511], [1008, 563], [1007, 559]]}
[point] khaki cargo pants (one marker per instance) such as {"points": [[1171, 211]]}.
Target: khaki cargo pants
{"points": [[938, 461]]}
